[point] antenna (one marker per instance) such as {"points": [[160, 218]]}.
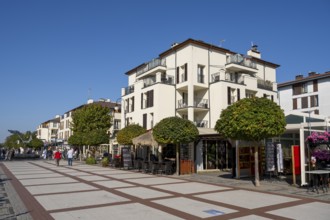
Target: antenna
{"points": [[221, 41], [89, 93]]}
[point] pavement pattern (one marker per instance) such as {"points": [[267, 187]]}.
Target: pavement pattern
{"points": [[40, 190]]}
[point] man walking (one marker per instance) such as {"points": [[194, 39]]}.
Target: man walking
{"points": [[70, 156]]}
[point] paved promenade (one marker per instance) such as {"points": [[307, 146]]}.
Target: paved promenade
{"points": [[40, 190]]}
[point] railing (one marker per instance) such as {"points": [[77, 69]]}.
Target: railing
{"points": [[267, 85], [240, 60], [202, 104], [150, 65], [129, 90], [149, 81], [215, 77], [168, 80], [201, 124], [182, 103]]}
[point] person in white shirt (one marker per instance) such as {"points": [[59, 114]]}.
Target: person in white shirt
{"points": [[70, 156]]}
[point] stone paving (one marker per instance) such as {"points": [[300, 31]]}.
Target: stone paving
{"points": [[40, 190]]}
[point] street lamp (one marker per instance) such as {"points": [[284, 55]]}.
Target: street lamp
{"points": [[308, 145]]}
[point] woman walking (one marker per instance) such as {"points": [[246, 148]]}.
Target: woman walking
{"points": [[57, 157]]}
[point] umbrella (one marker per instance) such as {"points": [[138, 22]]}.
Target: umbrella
{"points": [[145, 139]]}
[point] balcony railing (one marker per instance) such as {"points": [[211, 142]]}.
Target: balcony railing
{"points": [[241, 60], [202, 103], [129, 90], [150, 65], [168, 80], [201, 124], [182, 103], [149, 81], [265, 84]]}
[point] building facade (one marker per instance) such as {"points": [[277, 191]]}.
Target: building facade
{"points": [[195, 80], [58, 130], [308, 94], [48, 130]]}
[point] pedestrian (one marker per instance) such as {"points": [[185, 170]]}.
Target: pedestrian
{"points": [[70, 156], [57, 157], [44, 153]]}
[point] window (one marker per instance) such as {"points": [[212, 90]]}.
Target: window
{"points": [[314, 101], [304, 88], [145, 121], [304, 102], [315, 86], [294, 104], [200, 74], [147, 99]]}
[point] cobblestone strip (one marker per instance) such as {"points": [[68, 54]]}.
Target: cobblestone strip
{"points": [[12, 207]]}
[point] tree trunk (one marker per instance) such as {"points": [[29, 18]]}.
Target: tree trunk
{"points": [[256, 167]]}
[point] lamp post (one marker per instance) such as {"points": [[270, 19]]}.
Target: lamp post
{"points": [[308, 145]]}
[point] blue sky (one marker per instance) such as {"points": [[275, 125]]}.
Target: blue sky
{"points": [[55, 54]]}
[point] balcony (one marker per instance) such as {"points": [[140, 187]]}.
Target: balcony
{"points": [[129, 90], [202, 103], [240, 63], [265, 84], [168, 80], [150, 65], [201, 124], [149, 81], [182, 103]]}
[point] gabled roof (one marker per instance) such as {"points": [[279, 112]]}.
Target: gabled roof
{"points": [[202, 44], [305, 79]]}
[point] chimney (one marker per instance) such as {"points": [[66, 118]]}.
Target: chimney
{"points": [[312, 73], [253, 52], [299, 76]]}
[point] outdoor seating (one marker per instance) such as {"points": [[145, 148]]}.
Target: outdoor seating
{"points": [[138, 165], [154, 167], [146, 167]]}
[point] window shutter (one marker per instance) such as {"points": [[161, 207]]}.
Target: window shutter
{"points": [[315, 86], [177, 75], [186, 72], [151, 98], [294, 104], [229, 96], [132, 104], [304, 102], [145, 121]]}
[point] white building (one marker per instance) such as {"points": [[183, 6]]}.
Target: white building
{"points": [[196, 81], [59, 130], [48, 130], [306, 94]]}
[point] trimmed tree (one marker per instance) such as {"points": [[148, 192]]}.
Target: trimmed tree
{"points": [[175, 130], [252, 119], [90, 125], [126, 135]]}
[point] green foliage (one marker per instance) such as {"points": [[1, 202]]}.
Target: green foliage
{"points": [[90, 160], [12, 141], [125, 135], [175, 130], [105, 161], [90, 125], [35, 143], [251, 119], [17, 141]]}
